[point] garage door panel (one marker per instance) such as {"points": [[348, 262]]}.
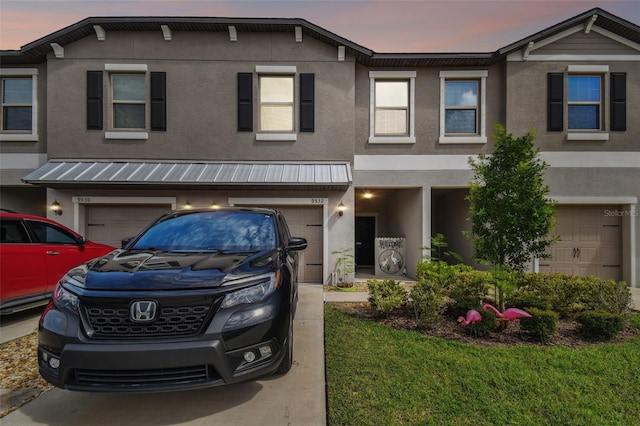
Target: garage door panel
{"points": [[306, 222], [590, 243]]}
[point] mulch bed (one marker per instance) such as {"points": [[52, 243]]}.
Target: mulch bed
{"points": [[403, 319]]}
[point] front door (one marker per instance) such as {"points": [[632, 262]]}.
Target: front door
{"points": [[365, 240]]}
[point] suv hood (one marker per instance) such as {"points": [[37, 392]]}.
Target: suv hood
{"points": [[161, 270]]}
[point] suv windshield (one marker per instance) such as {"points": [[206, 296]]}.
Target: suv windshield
{"points": [[230, 231]]}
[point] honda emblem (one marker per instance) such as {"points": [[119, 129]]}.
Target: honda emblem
{"points": [[143, 310]]}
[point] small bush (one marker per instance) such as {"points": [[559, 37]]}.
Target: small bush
{"points": [[466, 289], [600, 324], [487, 325], [386, 295], [610, 296], [429, 302], [525, 299], [542, 325]]}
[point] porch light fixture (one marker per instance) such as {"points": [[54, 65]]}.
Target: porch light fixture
{"points": [[214, 205], [341, 209], [368, 195], [56, 208], [187, 205]]}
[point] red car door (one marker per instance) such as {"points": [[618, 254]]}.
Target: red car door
{"points": [[60, 248], [23, 269]]}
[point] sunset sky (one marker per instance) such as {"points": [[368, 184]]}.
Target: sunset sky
{"points": [[383, 26]]}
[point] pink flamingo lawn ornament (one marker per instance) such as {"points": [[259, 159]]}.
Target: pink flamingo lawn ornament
{"points": [[473, 316], [511, 314]]}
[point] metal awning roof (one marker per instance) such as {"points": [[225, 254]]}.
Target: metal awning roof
{"points": [[242, 175]]}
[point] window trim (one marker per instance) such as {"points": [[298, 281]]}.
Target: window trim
{"points": [[392, 75], [113, 132], [481, 77], [277, 71], [22, 136]]}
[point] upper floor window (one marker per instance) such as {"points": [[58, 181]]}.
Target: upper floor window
{"points": [[583, 102], [129, 101], [18, 89], [283, 95], [136, 101], [462, 106], [276, 103], [392, 106], [576, 102]]}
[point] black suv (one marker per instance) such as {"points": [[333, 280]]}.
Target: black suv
{"points": [[200, 298]]}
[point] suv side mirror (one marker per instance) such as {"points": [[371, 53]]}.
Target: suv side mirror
{"points": [[81, 241], [125, 242], [296, 243]]}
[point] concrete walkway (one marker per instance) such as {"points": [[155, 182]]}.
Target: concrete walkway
{"points": [[297, 398]]}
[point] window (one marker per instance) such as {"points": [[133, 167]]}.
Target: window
{"points": [[136, 101], [129, 101], [51, 234], [276, 103], [18, 89], [392, 106], [583, 102], [462, 106], [578, 94]]}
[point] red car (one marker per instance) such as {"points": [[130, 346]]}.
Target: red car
{"points": [[35, 252]]}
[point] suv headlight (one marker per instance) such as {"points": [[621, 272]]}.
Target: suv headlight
{"points": [[64, 299], [264, 286]]}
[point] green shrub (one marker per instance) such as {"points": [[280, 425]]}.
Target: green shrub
{"points": [[386, 295], [542, 325], [600, 324], [429, 302], [487, 325], [466, 290], [526, 299], [610, 296]]}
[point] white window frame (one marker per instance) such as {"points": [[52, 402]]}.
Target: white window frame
{"points": [[599, 134], [281, 71], [129, 134], [481, 77], [374, 76], [22, 135]]}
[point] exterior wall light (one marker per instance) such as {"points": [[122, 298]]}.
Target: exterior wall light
{"points": [[56, 208], [214, 205], [341, 209], [187, 205]]}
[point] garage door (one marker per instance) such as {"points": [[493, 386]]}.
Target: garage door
{"points": [[110, 224], [306, 222], [591, 242]]}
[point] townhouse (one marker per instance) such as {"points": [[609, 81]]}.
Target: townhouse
{"points": [[115, 120]]}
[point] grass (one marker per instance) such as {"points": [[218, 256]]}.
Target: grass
{"points": [[380, 376]]}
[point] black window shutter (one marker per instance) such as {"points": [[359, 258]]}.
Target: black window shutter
{"points": [[159, 101], [619, 101], [555, 96], [245, 102], [307, 102], [94, 100]]}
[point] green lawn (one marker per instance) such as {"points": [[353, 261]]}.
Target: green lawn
{"points": [[380, 376]]}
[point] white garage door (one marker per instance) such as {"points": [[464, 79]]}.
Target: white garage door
{"points": [[109, 224], [591, 242], [306, 222]]}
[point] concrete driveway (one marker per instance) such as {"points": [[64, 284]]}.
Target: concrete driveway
{"points": [[297, 398]]}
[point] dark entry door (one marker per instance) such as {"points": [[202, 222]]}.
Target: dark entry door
{"points": [[365, 239]]}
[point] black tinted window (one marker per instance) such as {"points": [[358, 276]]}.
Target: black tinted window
{"points": [[210, 231], [12, 231], [51, 234]]}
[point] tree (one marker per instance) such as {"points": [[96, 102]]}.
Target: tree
{"points": [[511, 214]]}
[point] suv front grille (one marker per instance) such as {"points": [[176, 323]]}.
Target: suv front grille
{"points": [[111, 320], [142, 378]]}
